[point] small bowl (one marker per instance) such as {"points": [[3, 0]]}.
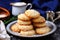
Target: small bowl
{"points": [[4, 13], [50, 24]]}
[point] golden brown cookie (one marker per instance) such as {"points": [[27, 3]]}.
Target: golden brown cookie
{"points": [[15, 28], [23, 22], [23, 17], [32, 13], [25, 27], [27, 33], [40, 19], [42, 30], [40, 25]]}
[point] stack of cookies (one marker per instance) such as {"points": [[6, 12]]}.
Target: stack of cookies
{"points": [[30, 23], [25, 25], [38, 21], [40, 25]]}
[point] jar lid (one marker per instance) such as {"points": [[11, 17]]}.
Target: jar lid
{"points": [[18, 4]]}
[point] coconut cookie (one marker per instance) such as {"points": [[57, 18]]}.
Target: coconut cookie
{"points": [[27, 33], [40, 25], [25, 27], [32, 13], [15, 28], [23, 17], [40, 19], [23, 22], [42, 30]]}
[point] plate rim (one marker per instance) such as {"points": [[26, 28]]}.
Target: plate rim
{"points": [[8, 30]]}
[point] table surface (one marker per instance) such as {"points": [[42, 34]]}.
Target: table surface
{"points": [[55, 36]]}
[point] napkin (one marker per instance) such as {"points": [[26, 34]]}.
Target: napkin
{"points": [[3, 33]]}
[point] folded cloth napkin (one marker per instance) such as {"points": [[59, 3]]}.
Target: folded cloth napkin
{"points": [[3, 33]]}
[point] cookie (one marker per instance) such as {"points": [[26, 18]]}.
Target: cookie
{"points": [[23, 17], [32, 13], [43, 30], [25, 27], [15, 28], [40, 19], [27, 33], [39, 25], [23, 22]]}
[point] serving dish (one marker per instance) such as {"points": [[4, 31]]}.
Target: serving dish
{"points": [[4, 13], [50, 24]]}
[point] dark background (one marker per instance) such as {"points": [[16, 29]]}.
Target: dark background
{"points": [[58, 7], [30, 1], [40, 5], [44, 9]]}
